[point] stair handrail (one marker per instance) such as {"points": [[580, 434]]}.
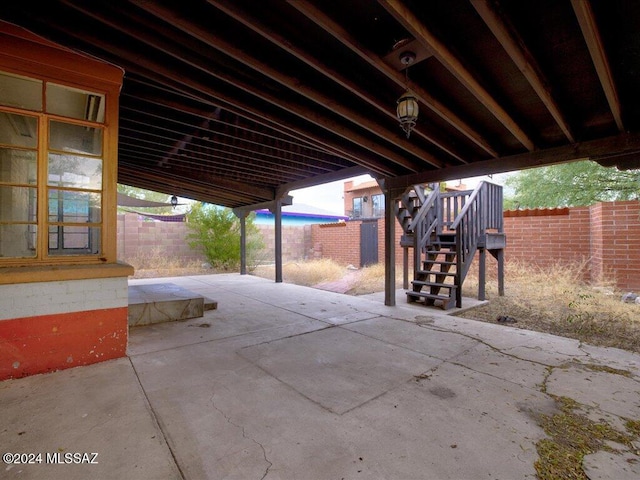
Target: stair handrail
{"points": [[426, 206], [480, 187], [482, 211]]}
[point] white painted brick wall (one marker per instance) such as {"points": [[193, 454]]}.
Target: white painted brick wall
{"points": [[46, 298]]}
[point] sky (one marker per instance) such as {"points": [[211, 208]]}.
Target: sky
{"points": [[329, 196]]}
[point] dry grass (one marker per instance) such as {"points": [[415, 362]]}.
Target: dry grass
{"points": [[555, 300], [371, 280], [306, 273], [155, 263]]}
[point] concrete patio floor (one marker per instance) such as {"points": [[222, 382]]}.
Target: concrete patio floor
{"points": [[288, 382]]}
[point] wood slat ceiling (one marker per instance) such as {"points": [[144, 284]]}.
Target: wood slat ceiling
{"points": [[237, 102]]}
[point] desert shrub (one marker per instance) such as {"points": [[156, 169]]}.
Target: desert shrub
{"points": [[216, 232]]}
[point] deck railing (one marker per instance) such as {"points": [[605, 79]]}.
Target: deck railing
{"points": [[481, 213]]}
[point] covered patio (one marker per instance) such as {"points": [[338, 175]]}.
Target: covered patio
{"points": [[237, 103]]}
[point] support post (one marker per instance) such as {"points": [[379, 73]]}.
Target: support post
{"points": [[482, 274], [243, 244], [277, 212], [390, 196], [405, 268], [501, 272]]}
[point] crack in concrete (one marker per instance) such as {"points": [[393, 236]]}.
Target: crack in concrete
{"points": [[154, 416], [245, 436]]}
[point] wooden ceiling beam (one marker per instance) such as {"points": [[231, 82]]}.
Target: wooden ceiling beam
{"points": [[314, 154], [525, 62], [246, 191], [275, 124], [623, 145], [285, 162], [413, 25], [129, 136], [219, 158], [342, 35], [208, 37], [158, 70], [591, 34], [185, 140], [320, 179], [128, 176], [253, 23]]}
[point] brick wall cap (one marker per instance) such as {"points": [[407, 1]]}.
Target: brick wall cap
{"points": [[536, 212]]}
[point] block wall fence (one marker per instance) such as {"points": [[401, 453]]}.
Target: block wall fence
{"points": [[139, 238], [604, 236]]}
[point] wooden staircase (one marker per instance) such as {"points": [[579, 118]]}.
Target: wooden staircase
{"points": [[445, 229]]}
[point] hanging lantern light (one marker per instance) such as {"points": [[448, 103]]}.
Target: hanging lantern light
{"points": [[407, 112], [174, 201], [407, 108]]}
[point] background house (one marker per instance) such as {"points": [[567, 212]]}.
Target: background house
{"points": [[363, 200], [299, 214]]}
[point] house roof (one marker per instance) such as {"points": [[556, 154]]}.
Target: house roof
{"points": [[238, 102], [304, 210], [362, 186]]}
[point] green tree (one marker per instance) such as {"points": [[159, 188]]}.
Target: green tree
{"points": [[216, 232], [572, 184]]}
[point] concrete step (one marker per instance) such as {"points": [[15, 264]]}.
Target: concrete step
{"points": [[165, 302]]}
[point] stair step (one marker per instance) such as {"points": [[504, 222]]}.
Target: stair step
{"points": [[433, 284], [444, 298], [437, 262], [435, 272]]}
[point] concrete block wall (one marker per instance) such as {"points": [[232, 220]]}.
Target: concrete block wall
{"points": [[296, 242], [140, 238]]}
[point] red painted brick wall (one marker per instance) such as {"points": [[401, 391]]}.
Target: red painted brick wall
{"points": [[341, 242], [606, 236], [615, 244], [548, 237]]}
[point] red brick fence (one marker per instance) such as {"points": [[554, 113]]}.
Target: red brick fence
{"points": [[606, 236]]}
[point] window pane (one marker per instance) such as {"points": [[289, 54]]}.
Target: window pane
{"points": [[18, 166], [17, 241], [75, 138], [74, 207], [17, 204], [18, 130], [75, 103], [65, 240], [75, 171], [378, 205], [20, 92], [357, 207]]}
